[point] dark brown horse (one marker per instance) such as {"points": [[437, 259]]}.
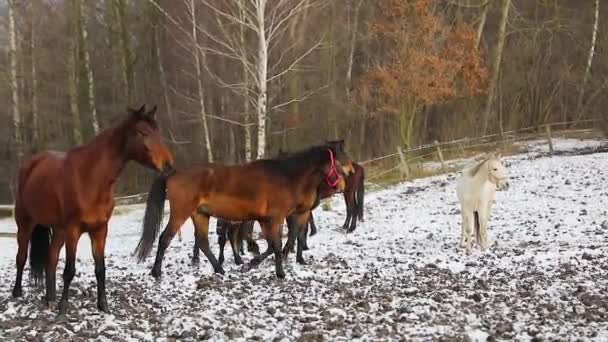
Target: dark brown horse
{"points": [[60, 196], [267, 191], [354, 194], [236, 233]]}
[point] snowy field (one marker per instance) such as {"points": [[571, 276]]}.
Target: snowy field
{"points": [[400, 275]]}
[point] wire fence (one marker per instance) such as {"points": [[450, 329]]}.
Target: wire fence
{"points": [[406, 159]]}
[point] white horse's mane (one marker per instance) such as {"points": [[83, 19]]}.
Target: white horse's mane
{"points": [[473, 171]]}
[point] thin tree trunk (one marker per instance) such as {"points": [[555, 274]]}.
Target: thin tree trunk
{"points": [[262, 77], [35, 119], [87, 67], [73, 74], [482, 22], [502, 29], [351, 48], [246, 107], [14, 86], [125, 50], [196, 52], [163, 82], [579, 103]]}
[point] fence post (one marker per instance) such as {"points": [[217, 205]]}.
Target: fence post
{"points": [[440, 155], [549, 140], [404, 170]]}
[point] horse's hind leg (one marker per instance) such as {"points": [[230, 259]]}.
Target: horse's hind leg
{"points": [[201, 224], [195, 250], [222, 232], [349, 199], [176, 221], [51, 266], [24, 234], [235, 242], [482, 229], [72, 237]]}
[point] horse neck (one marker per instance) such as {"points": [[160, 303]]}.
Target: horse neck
{"points": [[105, 158]]}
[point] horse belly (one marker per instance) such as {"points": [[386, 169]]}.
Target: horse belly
{"points": [[233, 208]]}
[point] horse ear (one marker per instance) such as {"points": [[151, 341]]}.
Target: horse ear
{"points": [[137, 112], [499, 155], [152, 112]]}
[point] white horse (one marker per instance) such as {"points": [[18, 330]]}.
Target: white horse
{"points": [[476, 190]]}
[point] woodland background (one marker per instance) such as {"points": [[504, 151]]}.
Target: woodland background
{"points": [[238, 79]]}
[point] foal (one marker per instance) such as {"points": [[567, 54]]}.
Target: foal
{"points": [[60, 196], [476, 190], [267, 190]]}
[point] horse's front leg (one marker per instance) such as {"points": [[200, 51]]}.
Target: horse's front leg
{"points": [[467, 229], [201, 224], [483, 217], [72, 236], [234, 236]]}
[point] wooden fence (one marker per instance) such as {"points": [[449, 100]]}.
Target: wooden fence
{"points": [[403, 159]]}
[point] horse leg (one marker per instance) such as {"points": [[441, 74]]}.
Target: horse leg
{"points": [[201, 224], [72, 236], [222, 233], [292, 234], [98, 246], [24, 234], [467, 228], [175, 223], [349, 215], [252, 245], [195, 250], [51, 267], [313, 226], [272, 231], [482, 217], [301, 222], [303, 235], [235, 237]]}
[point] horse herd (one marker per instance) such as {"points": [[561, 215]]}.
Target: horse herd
{"points": [[61, 195]]}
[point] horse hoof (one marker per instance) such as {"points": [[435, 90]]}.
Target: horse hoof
{"points": [[102, 305], [17, 292], [219, 270], [62, 317], [63, 307], [281, 274], [196, 261], [156, 273], [239, 262], [51, 305], [305, 248], [301, 261]]}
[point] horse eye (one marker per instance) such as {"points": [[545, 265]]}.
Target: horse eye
{"points": [[495, 169]]}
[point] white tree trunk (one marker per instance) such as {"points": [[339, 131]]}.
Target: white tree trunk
{"points": [[262, 73], [502, 29], [579, 104], [12, 52], [351, 49], [246, 107], [196, 51], [482, 22], [84, 35], [72, 73], [35, 120]]}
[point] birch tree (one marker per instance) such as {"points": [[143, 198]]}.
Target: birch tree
{"points": [[268, 26], [13, 81], [579, 103], [84, 36], [500, 43], [73, 72]]}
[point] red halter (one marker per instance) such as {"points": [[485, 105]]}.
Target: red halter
{"points": [[333, 172]]}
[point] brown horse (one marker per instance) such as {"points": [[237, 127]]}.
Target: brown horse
{"points": [[236, 233], [60, 196], [267, 190], [354, 194]]}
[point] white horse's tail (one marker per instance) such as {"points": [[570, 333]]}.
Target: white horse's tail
{"points": [[477, 232]]}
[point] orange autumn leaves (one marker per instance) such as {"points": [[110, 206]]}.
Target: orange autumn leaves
{"points": [[427, 60]]}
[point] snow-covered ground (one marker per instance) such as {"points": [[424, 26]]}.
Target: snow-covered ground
{"points": [[400, 275]]}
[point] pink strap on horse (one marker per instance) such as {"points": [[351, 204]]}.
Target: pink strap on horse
{"points": [[333, 172]]}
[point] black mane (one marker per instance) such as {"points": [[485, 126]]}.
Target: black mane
{"points": [[291, 164]]}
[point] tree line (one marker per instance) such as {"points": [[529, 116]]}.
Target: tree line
{"points": [[240, 79]]}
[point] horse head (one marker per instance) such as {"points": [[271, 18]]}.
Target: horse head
{"points": [[144, 143]]}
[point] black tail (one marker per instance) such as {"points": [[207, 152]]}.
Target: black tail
{"points": [[477, 233], [153, 218], [39, 252], [361, 195]]}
